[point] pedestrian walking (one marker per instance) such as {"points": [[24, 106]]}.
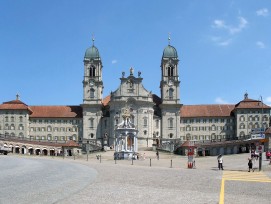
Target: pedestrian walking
{"points": [[144, 156], [249, 164], [157, 155], [220, 162]]}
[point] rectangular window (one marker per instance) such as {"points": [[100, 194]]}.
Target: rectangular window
{"points": [[91, 122], [145, 122], [157, 123]]}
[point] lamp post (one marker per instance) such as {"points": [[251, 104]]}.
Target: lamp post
{"points": [[260, 154]]}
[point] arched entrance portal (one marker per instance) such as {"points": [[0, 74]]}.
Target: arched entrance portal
{"points": [[30, 150], [17, 149], [52, 152], [37, 151], [44, 152], [23, 149]]}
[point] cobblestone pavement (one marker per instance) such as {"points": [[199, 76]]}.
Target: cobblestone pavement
{"points": [[168, 180]]}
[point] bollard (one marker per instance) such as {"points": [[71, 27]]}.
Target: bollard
{"points": [[100, 158], [171, 163], [132, 161], [115, 160], [150, 162], [87, 157], [73, 156]]}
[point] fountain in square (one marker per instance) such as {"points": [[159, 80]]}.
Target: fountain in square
{"points": [[126, 146]]}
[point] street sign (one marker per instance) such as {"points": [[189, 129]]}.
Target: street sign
{"points": [[260, 149]]}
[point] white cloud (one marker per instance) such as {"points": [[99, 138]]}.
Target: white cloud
{"points": [[262, 12], [242, 24], [268, 101], [220, 101], [220, 41], [220, 24], [114, 61], [225, 42], [260, 44]]}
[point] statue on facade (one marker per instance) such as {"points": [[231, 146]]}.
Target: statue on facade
{"points": [[131, 71]]}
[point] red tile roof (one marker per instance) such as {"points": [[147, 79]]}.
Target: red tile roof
{"points": [[56, 112], [206, 110], [250, 103], [70, 143], [188, 144], [15, 105]]}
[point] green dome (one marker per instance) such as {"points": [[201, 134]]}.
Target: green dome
{"points": [[92, 53], [170, 52]]}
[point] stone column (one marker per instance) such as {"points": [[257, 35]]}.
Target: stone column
{"points": [[126, 143]]}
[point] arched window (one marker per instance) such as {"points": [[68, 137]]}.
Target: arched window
{"points": [[157, 123], [21, 127], [171, 135], [170, 93], [12, 127], [256, 125], [242, 126], [242, 118], [6, 127], [21, 119], [213, 127], [170, 70], [188, 137], [92, 70], [6, 119], [49, 137], [92, 93], [49, 129], [12, 119]]}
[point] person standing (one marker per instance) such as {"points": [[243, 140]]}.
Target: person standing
{"points": [[220, 162], [157, 155], [250, 164]]}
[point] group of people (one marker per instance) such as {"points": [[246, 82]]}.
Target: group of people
{"points": [[251, 163]]}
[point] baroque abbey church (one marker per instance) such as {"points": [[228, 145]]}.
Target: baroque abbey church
{"points": [[157, 119]]}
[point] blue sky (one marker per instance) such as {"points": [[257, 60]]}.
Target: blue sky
{"points": [[223, 47]]}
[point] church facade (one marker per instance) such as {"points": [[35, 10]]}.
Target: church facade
{"points": [[157, 119]]}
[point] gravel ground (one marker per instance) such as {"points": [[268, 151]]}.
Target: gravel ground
{"points": [[95, 181]]}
